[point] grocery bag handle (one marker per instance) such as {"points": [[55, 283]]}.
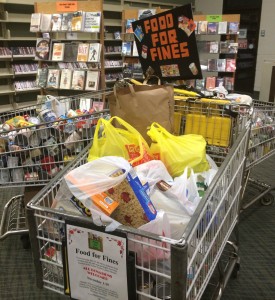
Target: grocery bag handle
{"points": [[132, 91], [151, 76]]}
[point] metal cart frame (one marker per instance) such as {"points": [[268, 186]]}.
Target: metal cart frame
{"points": [[186, 264]]}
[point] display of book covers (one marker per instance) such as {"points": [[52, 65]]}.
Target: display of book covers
{"points": [[200, 84], [56, 22], [113, 63], [94, 52], [221, 64], [117, 35], [45, 23], [53, 78], [222, 28], [66, 22], [228, 47], [128, 25], [214, 47], [230, 65], [210, 82], [5, 51], [42, 49], [58, 51], [73, 65], [233, 27], [83, 52], [24, 68], [202, 27], [113, 49], [25, 85], [229, 83], [66, 79], [77, 21], [212, 27], [92, 80], [219, 81], [114, 76], [22, 51], [126, 48], [212, 65], [92, 22], [35, 22], [42, 77], [78, 80], [70, 53]]}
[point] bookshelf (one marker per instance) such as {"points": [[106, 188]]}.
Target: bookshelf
{"points": [[16, 43], [74, 38], [224, 60]]}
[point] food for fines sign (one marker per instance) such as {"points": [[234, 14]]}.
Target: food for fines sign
{"points": [[166, 44], [96, 264]]}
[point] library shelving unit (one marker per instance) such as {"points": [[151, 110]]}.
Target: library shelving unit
{"points": [[17, 69], [205, 39], [67, 37]]}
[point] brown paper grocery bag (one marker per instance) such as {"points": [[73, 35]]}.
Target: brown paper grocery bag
{"points": [[141, 105]]}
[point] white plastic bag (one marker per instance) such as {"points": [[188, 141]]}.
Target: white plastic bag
{"points": [[94, 177], [152, 172]]}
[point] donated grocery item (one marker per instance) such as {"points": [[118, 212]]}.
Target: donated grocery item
{"points": [[105, 203], [125, 142], [178, 152]]}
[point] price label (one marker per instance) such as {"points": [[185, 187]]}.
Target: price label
{"points": [[66, 6], [214, 18]]}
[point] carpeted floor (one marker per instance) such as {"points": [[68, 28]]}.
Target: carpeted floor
{"points": [[256, 279]]}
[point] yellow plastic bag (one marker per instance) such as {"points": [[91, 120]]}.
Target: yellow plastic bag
{"points": [[125, 142], [178, 152]]}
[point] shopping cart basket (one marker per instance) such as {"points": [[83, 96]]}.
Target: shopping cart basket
{"points": [[182, 268], [261, 147], [31, 156]]}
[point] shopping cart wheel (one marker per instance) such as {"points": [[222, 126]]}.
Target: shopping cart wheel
{"points": [[236, 270], [25, 240], [267, 199]]}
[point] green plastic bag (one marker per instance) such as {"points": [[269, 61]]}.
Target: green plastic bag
{"points": [[178, 152]]}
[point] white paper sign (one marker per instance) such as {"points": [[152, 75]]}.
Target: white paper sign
{"points": [[96, 264]]}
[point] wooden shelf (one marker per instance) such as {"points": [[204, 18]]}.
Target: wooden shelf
{"points": [[19, 38], [22, 74], [16, 18], [27, 91], [5, 72], [6, 90], [112, 22]]}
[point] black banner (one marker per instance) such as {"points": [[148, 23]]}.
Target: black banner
{"points": [[167, 45]]}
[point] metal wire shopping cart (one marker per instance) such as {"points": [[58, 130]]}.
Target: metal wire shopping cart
{"points": [[261, 147], [32, 155], [181, 269]]}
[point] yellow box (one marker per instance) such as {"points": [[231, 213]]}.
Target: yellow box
{"points": [[216, 130]]}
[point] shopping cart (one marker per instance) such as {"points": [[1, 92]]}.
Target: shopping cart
{"points": [[32, 155], [261, 147], [182, 268]]}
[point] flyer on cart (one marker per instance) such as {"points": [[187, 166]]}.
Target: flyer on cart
{"points": [[97, 265]]}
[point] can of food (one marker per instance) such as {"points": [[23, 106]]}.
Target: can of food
{"points": [[47, 115]]}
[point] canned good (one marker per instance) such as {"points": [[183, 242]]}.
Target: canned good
{"points": [[48, 115]]}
